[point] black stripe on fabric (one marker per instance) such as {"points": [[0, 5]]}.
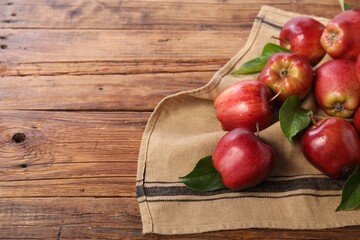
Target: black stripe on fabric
{"points": [[243, 196], [320, 184], [277, 176], [262, 20], [140, 191]]}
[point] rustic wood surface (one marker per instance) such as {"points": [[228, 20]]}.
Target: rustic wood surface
{"points": [[79, 80]]}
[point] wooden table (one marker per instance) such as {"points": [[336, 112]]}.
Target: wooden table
{"points": [[79, 80]]}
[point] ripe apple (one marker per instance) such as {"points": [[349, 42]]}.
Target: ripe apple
{"points": [[242, 159], [302, 35], [341, 36], [357, 120], [337, 89], [288, 73], [332, 146], [245, 104], [358, 67]]}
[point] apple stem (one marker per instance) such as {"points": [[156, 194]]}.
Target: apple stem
{"points": [[312, 117], [276, 95], [281, 40]]}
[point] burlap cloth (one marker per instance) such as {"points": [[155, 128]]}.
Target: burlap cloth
{"points": [[183, 128]]}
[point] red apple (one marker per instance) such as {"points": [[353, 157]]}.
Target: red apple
{"points": [[242, 159], [289, 74], [358, 67], [333, 147], [357, 120], [245, 104], [302, 35], [341, 37], [337, 89]]}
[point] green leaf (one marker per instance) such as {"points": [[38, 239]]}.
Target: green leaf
{"points": [[350, 197], [344, 6], [271, 48], [253, 66], [203, 177], [293, 118], [347, 7], [257, 64]]}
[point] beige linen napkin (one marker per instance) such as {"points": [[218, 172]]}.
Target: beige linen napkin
{"points": [[183, 128]]}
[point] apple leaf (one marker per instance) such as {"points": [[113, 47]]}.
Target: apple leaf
{"points": [[257, 64], [293, 118], [347, 7], [344, 6], [350, 197], [203, 177]]}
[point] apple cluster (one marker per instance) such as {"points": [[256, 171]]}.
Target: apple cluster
{"points": [[331, 144]]}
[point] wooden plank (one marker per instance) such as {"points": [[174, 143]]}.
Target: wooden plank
{"points": [[70, 187], [120, 67], [95, 51], [61, 145], [47, 217], [114, 218], [58, 45], [52, 52], [139, 92], [120, 15], [67, 170], [150, 14]]}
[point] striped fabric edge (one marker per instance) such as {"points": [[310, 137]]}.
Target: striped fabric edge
{"points": [[266, 22], [240, 196], [271, 177], [317, 186]]}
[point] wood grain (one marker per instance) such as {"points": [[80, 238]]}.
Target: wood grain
{"points": [[69, 153], [70, 186], [113, 218], [39, 51], [54, 47], [114, 67], [149, 14], [69, 144], [39, 45], [130, 92]]}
